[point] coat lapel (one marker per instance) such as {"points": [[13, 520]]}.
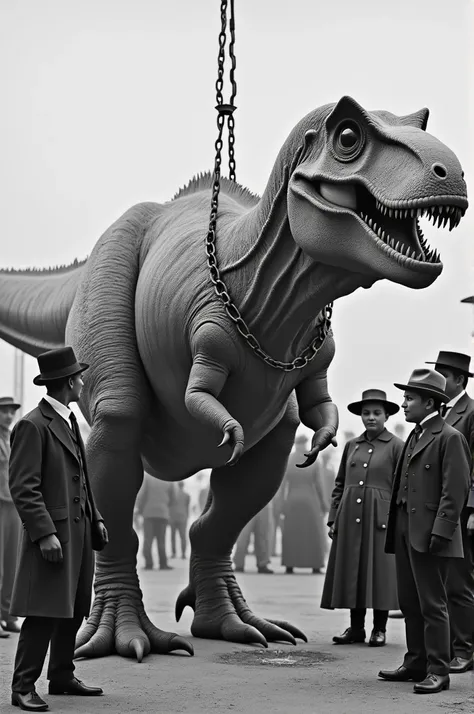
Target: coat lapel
{"points": [[58, 427], [433, 427], [457, 412]]}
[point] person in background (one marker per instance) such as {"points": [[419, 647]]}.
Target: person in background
{"points": [[179, 514], [10, 523], [261, 526], [459, 413], [360, 574], [304, 536], [430, 488], [153, 503]]}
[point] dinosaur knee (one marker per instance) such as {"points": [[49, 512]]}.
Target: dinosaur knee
{"points": [[118, 423]]}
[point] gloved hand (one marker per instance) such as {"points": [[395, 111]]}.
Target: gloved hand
{"points": [[437, 544]]}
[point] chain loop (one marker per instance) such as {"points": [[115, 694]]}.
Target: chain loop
{"points": [[226, 111]]}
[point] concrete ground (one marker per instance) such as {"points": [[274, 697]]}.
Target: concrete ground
{"points": [[313, 678]]}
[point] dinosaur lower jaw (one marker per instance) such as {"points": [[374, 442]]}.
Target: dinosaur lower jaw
{"points": [[395, 230]]}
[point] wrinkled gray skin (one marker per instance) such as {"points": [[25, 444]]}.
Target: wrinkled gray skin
{"points": [[170, 377]]}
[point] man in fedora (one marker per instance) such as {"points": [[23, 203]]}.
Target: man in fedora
{"points": [[9, 522], [459, 412], [431, 484], [50, 488]]}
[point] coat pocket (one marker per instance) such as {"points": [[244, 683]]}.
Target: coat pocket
{"points": [[60, 518], [381, 514], [432, 506]]}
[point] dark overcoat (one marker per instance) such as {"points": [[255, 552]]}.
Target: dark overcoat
{"points": [[46, 487], [437, 488], [461, 417], [359, 573]]}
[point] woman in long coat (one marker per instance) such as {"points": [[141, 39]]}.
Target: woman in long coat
{"points": [[360, 574], [304, 537]]}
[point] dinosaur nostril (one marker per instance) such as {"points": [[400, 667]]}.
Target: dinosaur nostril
{"points": [[439, 170]]}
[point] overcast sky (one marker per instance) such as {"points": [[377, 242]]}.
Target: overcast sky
{"points": [[105, 104]]}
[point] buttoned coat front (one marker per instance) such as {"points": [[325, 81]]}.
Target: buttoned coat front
{"points": [[461, 417], [46, 487], [359, 572], [437, 484]]}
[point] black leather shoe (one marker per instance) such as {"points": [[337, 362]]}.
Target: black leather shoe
{"points": [[265, 570], [289, 571], [459, 665], [74, 686], [349, 637], [377, 638], [166, 567], [3, 634], [433, 684], [30, 702], [402, 674]]}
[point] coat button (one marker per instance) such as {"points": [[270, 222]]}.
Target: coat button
{"points": [[77, 519], [359, 500], [370, 451], [427, 466], [384, 526], [405, 488], [357, 520], [353, 463], [442, 514], [361, 483], [409, 455], [365, 466], [413, 510], [75, 478], [76, 499]]}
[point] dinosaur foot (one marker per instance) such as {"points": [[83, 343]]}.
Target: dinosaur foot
{"points": [[118, 624], [220, 609]]}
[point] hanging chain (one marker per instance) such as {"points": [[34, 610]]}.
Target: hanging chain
{"points": [[226, 110]]}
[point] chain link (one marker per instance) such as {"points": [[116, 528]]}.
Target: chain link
{"points": [[226, 111]]}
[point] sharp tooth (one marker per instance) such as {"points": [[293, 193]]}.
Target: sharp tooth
{"points": [[419, 212], [396, 213], [390, 212], [370, 222], [397, 246], [445, 219]]}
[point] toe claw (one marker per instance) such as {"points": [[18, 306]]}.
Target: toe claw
{"points": [[180, 643], [186, 597], [295, 631], [137, 645]]}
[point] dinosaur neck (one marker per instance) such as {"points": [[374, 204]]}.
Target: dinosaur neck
{"points": [[278, 289]]}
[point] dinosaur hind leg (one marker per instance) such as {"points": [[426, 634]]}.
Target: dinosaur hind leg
{"points": [[237, 494]]}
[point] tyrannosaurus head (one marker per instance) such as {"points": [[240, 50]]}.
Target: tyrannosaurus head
{"points": [[361, 184]]}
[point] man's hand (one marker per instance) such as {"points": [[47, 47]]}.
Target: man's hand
{"points": [[103, 532], [470, 522], [331, 532], [51, 548], [322, 438], [437, 544]]}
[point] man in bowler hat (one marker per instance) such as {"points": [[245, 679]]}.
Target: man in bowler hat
{"points": [[431, 484], [50, 488], [459, 413], [9, 522]]}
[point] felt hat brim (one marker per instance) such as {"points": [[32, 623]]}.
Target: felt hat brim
{"points": [[10, 405], [430, 391], [390, 407], [42, 379]]}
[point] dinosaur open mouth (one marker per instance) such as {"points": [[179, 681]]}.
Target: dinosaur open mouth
{"points": [[395, 224]]}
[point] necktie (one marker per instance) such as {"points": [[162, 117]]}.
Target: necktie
{"points": [[74, 425], [443, 410], [417, 432]]}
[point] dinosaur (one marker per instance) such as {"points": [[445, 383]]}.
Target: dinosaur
{"points": [[173, 387]]}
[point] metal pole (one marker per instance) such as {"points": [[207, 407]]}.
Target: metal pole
{"points": [[19, 378]]}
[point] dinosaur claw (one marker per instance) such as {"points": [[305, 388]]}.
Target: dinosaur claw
{"points": [[294, 631], [179, 643], [137, 645], [185, 598], [225, 439]]}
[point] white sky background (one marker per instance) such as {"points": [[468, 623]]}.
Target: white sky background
{"points": [[105, 104]]}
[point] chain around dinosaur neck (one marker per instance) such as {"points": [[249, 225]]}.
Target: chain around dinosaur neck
{"points": [[223, 111]]}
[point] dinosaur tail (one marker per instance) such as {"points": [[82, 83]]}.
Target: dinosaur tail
{"points": [[35, 305]]}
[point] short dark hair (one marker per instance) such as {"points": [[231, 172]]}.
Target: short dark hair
{"points": [[53, 386]]}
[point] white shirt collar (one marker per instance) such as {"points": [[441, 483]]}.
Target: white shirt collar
{"points": [[61, 409], [455, 400], [427, 418]]}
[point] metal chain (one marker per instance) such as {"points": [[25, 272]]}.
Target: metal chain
{"points": [[223, 111]]}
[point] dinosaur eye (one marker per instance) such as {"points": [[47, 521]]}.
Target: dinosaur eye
{"points": [[348, 140]]}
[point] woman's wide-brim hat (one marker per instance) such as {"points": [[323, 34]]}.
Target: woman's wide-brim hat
{"points": [[373, 395], [454, 360], [56, 364], [8, 403], [427, 381]]}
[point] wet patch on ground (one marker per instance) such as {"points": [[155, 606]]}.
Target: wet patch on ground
{"points": [[277, 658]]}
